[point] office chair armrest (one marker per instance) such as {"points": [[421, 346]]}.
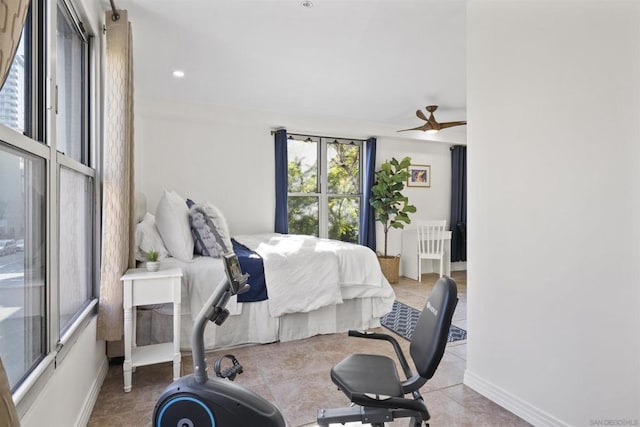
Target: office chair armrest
{"points": [[396, 347]]}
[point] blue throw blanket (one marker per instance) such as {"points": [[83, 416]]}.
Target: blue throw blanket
{"points": [[251, 262]]}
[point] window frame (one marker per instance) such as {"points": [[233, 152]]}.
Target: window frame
{"points": [[72, 165], [74, 20], [23, 146]]}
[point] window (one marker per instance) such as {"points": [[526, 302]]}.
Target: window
{"points": [[22, 262], [47, 197], [72, 79], [75, 179], [324, 187]]}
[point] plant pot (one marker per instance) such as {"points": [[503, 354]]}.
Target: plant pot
{"points": [[153, 265], [390, 266]]}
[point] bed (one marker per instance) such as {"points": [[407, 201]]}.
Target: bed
{"points": [[314, 286]]}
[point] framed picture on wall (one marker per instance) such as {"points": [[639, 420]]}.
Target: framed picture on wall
{"points": [[420, 176]]}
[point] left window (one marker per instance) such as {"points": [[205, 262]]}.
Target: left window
{"points": [[23, 202], [47, 195]]}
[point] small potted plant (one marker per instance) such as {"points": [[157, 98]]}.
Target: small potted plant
{"points": [[152, 261], [391, 207]]}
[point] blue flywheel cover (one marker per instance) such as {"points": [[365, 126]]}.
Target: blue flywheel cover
{"points": [[181, 409]]}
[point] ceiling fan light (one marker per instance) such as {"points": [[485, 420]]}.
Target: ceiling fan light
{"points": [[431, 131]]}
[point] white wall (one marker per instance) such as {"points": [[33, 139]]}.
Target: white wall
{"points": [[230, 164], [70, 393], [554, 180], [226, 156]]}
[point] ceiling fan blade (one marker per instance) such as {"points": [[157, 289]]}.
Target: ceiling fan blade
{"points": [[432, 124], [451, 124], [421, 115], [424, 127]]}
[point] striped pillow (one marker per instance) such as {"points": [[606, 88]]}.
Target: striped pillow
{"points": [[209, 230]]}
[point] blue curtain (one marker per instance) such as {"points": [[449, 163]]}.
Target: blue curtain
{"points": [[367, 218], [281, 225], [458, 203]]}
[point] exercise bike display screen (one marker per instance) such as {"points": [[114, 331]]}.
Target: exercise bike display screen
{"points": [[236, 278]]}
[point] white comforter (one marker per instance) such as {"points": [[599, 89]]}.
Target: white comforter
{"points": [[201, 276], [305, 273]]}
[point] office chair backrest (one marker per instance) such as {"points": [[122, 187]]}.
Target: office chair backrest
{"points": [[432, 330]]}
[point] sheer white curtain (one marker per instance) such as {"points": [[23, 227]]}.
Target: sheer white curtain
{"points": [[76, 226], [117, 202]]}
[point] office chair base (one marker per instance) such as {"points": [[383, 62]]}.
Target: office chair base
{"points": [[366, 415]]}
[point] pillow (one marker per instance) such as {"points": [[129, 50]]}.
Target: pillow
{"points": [[172, 220], [220, 223], [202, 229], [210, 231], [148, 239]]}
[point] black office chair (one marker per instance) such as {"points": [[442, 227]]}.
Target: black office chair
{"points": [[371, 382]]}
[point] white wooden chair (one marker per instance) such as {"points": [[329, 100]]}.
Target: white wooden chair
{"points": [[431, 243]]}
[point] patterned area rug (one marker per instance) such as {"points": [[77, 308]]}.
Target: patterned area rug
{"points": [[402, 320]]}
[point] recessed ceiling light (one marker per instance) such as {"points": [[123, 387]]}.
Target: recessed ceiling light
{"points": [[307, 4], [178, 73]]}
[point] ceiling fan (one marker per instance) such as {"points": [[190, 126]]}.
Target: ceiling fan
{"points": [[432, 126]]}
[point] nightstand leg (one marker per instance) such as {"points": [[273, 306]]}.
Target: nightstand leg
{"points": [[126, 367], [176, 341], [134, 318]]}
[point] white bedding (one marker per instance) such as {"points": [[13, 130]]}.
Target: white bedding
{"points": [[315, 286], [200, 277], [304, 273]]}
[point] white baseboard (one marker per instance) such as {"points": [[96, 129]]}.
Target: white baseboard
{"points": [[521, 408], [90, 401]]}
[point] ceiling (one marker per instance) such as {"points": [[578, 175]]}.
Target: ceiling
{"points": [[371, 60]]}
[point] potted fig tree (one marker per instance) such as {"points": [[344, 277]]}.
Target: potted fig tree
{"points": [[391, 207]]}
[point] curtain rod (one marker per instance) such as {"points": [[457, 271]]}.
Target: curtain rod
{"points": [[273, 132], [114, 15]]}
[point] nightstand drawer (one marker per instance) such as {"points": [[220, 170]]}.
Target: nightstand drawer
{"points": [[151, 291]]}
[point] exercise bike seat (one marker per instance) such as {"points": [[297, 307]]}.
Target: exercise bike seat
{"points": [[371, 382], [354, 377]]}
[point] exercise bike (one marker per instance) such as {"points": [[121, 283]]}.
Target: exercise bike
{"points": [[196, 399]]}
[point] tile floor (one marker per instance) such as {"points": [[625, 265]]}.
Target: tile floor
{"points": [[295, 376]]}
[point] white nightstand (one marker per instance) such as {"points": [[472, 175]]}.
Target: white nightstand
{"points": [[142, 287]]}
